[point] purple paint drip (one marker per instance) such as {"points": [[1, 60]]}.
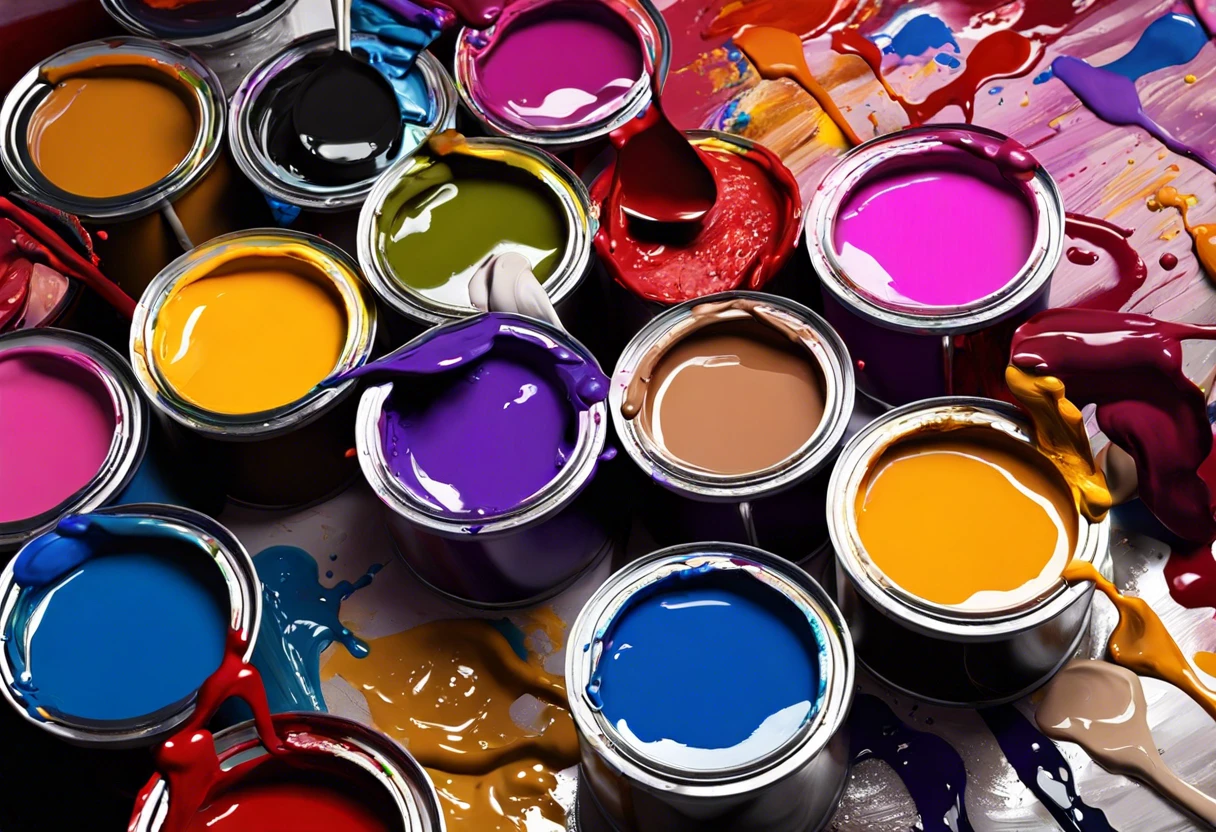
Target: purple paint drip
{"points": [[1114, 99], [483, 414]]}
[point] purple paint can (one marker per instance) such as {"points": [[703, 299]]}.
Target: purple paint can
{"points": [[932, 245], [483, 438], [561, 73]]}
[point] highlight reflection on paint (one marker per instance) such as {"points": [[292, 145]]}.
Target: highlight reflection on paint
{"points": [[1203, 235]]}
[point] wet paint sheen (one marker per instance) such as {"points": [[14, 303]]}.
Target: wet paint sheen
{"points": [[895, 244], [962, 519], [259, 336], [84, 140], [441, 223], [57, 423], [681, 679]]}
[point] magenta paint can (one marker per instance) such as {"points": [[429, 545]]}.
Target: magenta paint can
{"points": [[486, 441], [562, 73], [73, 429], [931, 246]]}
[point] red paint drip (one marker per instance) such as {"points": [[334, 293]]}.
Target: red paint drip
{"points": [[1081, 256], [1130, 367], [1130, 269], [806, 18], [685, 190], [1168, 261]]}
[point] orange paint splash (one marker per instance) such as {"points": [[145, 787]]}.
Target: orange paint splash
{"points": [[1206, 662], [1203, 235]]}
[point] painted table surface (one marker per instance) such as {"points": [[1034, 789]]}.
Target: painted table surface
{"points": [[1103, 171]]}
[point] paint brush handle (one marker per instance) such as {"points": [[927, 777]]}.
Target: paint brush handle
{"points": [[342, 24]]}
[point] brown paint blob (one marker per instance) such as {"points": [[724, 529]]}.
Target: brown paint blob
{"points": [[967, 517], [734, 398], [112, 134]]}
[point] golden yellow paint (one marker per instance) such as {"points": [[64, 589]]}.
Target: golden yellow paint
{"points": [[1203, 235], [257, 336], [1060, 434], [445, 690], [964, 518], [1206, 662], [1190, 79]]}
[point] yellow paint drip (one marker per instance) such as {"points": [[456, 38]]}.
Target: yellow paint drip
{"points": [[1206, 662], [1203, 235]]}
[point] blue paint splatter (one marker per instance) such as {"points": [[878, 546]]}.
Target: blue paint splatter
{"points": [[995, 90], [946, 59], [1044, 76], [1170, 40], [919, 35], [299, 620]]}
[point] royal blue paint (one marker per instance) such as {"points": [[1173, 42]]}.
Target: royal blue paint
{"points": [[1043, 769], [920, 34], [931, 769], [1044, 76], [123, 617], [709, 669], [995, 90], [1170, 40], [300, 618], [947, 60]]}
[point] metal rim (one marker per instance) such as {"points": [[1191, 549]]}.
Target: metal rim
{"points": [[570, 192], [656, 39], [198, 82], [130, 431], [243, 28], [560, 491], [339, 269], [247, 151], [819, 450], [245, 601], [837, 665], [862, 161], [896, 603]]}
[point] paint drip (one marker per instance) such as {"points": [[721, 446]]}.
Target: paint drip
{"points": [[446, 690], [300, 619], [1101, 707], [930, 768], [1203, 235], [1042, 769], [1130, 269]]}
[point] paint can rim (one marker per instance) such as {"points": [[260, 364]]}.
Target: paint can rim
{"points": [[243, 27]]}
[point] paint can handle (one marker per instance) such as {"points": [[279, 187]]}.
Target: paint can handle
{"points": [[506, 284], [749, 524]]}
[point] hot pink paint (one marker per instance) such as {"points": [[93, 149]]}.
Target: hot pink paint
{"points": [[57, 421], [944, 231]]}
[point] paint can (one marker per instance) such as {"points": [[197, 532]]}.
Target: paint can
{"points": [[524, 199], [60, 668], [245, 372], [263, 99], [143, 203], [742, 244], [229, 35], [688, 763], [78, 426], [341, 754], [715, 470], [488, 464], [930, 311], [1013, 632], [529, 78]]}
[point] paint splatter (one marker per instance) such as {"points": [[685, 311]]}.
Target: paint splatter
{"points": [[1043, 769], [300, 618], [1168, 261], [931, 769], [1203, 235], [920, 34], [1170, 40], [1130, 269]]}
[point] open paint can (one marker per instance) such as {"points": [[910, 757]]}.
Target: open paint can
{"points": [[345, 776], [562, 73], [709, 685], [113, 620], [734, 407], [148, 188], [433, 219], [932, 245], [267, 148], [483, 438], [952, 530], [234, 340], [73, 429], [228, 34]]}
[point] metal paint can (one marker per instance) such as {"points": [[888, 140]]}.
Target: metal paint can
{"points": [[794, 787], [905, 351], [110, 372], [294, 454], [138, 234], [405, 788], [244, 595], [938, 653], [518, 557], [779, 508], [640, 16]]}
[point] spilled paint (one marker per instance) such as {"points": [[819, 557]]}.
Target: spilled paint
{"points": [[1203, 235], [807, 19], [1042, 769], [1130, 269], [300, 619], [930, 768], [918, 35], [1170, 40]]}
